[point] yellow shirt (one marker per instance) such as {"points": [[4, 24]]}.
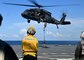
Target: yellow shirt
{"points": [[30, 45]]}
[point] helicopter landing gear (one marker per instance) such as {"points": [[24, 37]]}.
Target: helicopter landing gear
{"points": [[45, 24], [28, 20], [38, 21], [57, 27]]}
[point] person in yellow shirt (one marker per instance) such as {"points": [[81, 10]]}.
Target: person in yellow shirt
{"points": [[30, 45]]}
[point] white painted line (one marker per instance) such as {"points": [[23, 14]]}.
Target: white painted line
{"points": [[55, 58], [64, 58], [57, 53]]}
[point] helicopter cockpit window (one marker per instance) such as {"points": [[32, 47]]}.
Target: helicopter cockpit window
{"points": [[31, 12], [26, 11]]}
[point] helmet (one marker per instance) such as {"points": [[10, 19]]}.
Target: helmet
{"points": [[82, 35], [31, 30]]}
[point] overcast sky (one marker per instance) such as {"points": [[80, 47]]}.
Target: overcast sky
{"points": [[14, 26]]}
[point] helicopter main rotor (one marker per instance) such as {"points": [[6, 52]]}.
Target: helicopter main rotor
{"points": [[40, 6]]}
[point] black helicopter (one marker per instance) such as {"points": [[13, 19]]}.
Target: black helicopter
{"points": [[40, 15]]}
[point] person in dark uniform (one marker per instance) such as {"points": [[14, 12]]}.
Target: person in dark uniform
{"points": [[79, 52], [1, 18], [6, 50]]}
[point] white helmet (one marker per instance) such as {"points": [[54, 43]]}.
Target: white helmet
{"points": [[82, 35]]}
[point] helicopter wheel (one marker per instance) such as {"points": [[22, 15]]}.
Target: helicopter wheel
{"points": [[38, 21], [28, 21]]}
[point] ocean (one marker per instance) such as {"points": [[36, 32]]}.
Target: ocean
{"points": [[47, 42]]}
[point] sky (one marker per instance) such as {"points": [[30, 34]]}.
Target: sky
{"points": [[14, 26]]}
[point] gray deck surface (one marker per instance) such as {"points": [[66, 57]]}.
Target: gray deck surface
{"points": [[54, 52]]}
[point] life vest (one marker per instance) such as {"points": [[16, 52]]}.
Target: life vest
{"points": [[30, 45]]}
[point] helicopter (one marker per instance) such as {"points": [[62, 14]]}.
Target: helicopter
{"points": [[41, 15]]}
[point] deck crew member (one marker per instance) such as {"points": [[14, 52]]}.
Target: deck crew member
{"points": [[1, 18], [79, 52], [30, 45]]}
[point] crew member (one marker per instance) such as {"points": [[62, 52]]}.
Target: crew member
{"points": [[79, 52], [30, 45], [1, 18]]}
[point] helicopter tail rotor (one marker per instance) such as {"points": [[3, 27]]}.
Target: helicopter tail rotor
{"points": [[62, 21]]}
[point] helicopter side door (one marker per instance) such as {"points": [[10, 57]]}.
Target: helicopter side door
{"points": [[45, 15]]}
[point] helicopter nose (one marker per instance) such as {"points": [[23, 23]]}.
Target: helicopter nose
{"points": [[23, 15]]}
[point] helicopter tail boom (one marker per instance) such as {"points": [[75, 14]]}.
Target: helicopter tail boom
{"points": [[62, 21], [65, 23]]}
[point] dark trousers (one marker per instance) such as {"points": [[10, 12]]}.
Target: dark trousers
{"points": [[28, 57]]}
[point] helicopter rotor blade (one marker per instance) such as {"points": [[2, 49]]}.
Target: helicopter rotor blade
{"points": [[35, 3], [20, 4], [62, 5], [38, 5]]}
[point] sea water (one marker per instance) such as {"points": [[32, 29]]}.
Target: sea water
{"points": [[47, 42]]}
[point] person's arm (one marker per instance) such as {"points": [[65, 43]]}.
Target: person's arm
{"points": [[34, 46], [37, 46], [22, 49]]}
